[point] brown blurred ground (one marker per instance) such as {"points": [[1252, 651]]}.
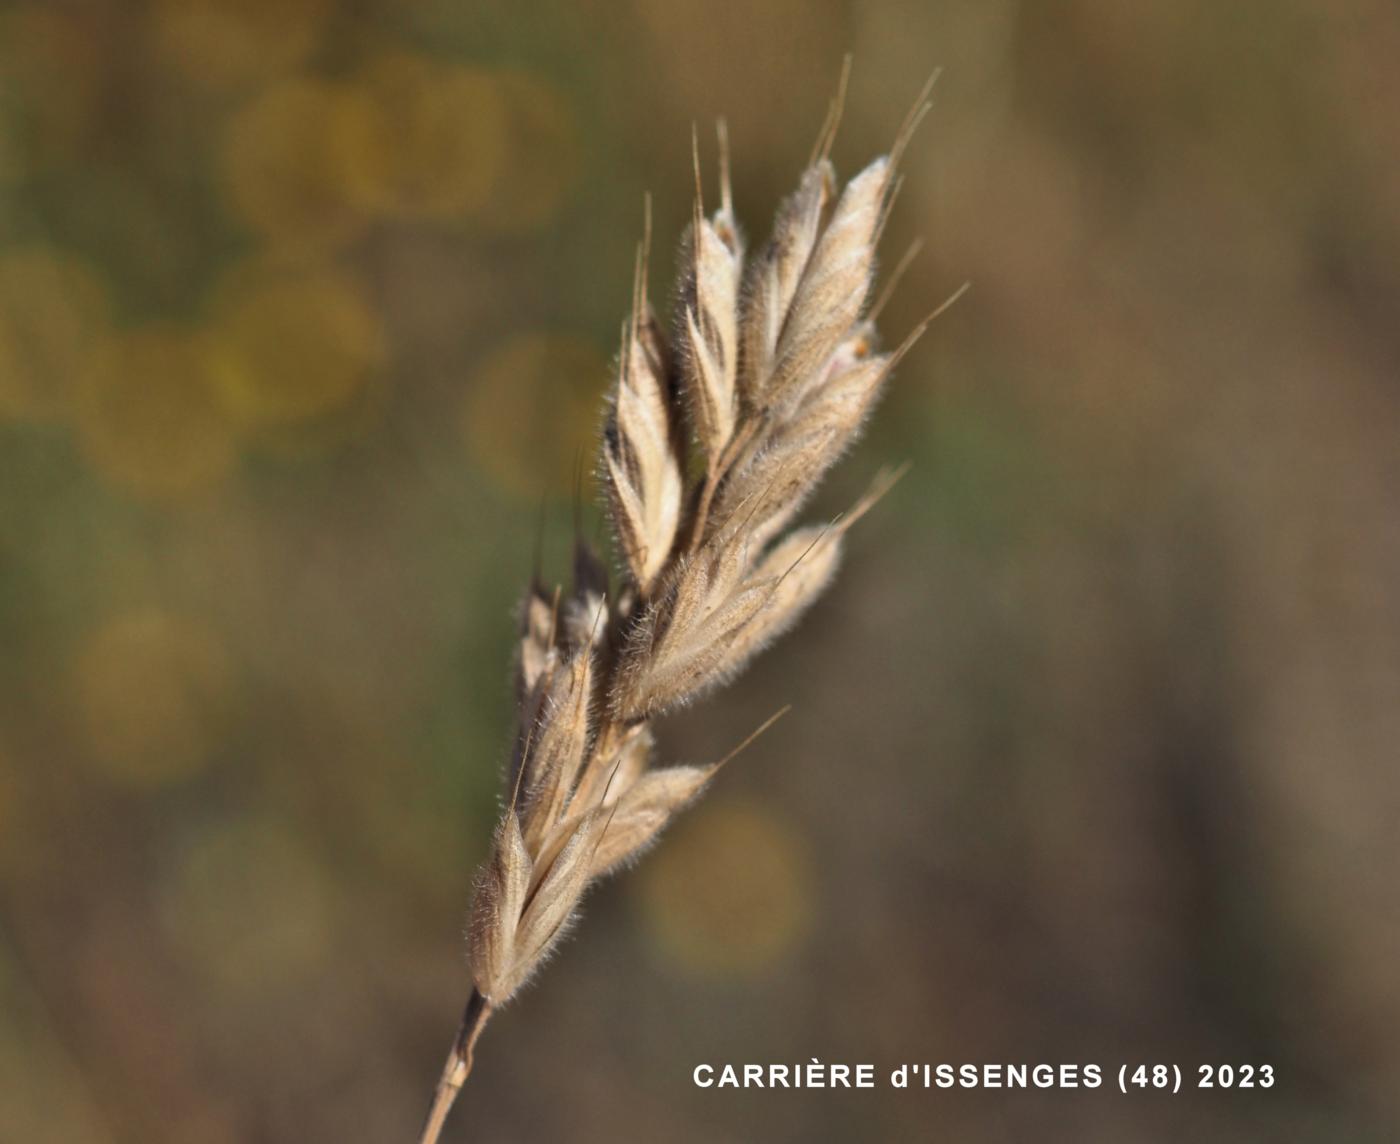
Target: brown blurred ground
{"points": [[1095, 747]]}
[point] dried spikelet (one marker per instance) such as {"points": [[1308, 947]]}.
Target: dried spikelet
{"points": [[692, 660], [786, 581], [499, 903], [612, 774], [774, 381], [768, 488], [799, 568], [556, 752], [552, 901], [674, 647], [833, 290], [640, 815], [772, 279], [775, 477], [641, 464], [768, 602], [709, 323]]}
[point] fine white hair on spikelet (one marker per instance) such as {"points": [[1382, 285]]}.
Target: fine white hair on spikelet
{"points": [[714, 437]]}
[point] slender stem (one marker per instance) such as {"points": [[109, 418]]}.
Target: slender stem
{"points": [[457, 1068]]}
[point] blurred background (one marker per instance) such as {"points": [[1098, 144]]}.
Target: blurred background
{"points": [[306, 307]]}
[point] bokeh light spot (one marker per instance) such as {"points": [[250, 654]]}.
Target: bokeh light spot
{"points": [[223, 44], [289, 348], [530, 413], [439, 141], [152, 689], [293, 159], [148, 417], [729, 893], [250, 907], [53, 310]]}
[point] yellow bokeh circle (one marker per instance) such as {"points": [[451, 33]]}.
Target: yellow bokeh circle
{"points": [[289, 348], [152, 692], [53, 311], [293, 164], [148, 417], [728, 892], [530, 412], [439, 138]]}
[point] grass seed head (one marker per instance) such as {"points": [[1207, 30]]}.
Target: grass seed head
{"points": [[711, 445]]}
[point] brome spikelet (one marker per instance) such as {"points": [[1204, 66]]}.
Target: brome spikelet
{"points": [[714, 438]]}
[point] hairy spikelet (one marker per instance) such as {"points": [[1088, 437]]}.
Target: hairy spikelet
{"points": [[641, 464], [709, 330], [556, 751], [833, 289], [634, 822], [673, 661], [550, 904], [772, 373], [798, 570], [604, 784], [774, 478], [500, 902], [773, 277]]}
